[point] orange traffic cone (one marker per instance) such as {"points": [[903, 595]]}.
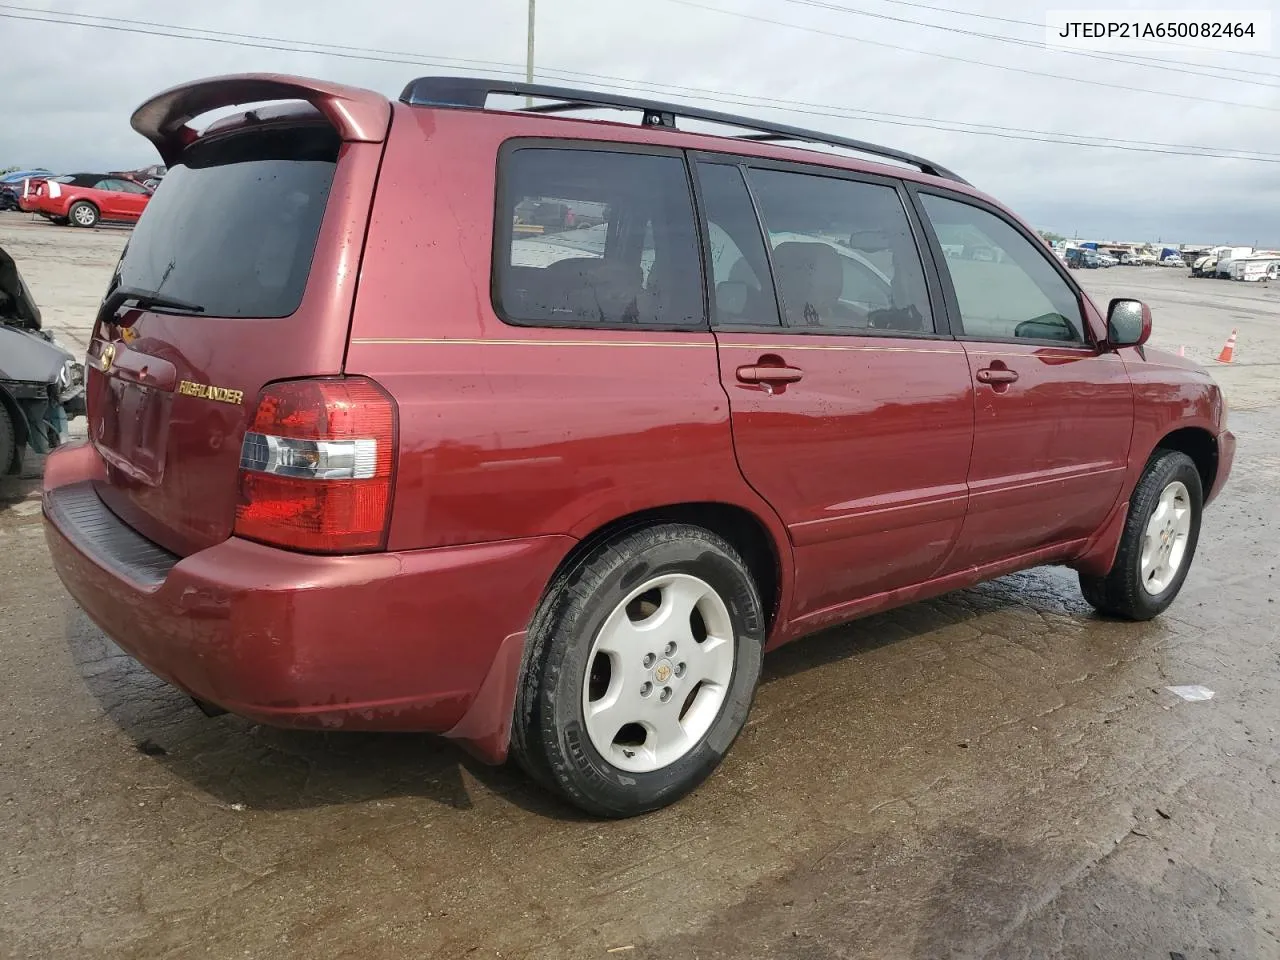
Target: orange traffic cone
{"points": [[1228, 349]]}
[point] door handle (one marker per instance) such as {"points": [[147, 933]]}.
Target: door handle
{"points": [[996, 375], [757, 373]]}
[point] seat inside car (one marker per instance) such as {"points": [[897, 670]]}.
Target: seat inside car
{"points": [[811, 280]]}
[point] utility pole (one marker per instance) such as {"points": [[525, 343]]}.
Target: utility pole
{"points": [[528, 63]]}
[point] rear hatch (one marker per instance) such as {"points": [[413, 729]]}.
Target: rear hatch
{"points": [[240, 273]]}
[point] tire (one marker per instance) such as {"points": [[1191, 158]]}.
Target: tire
{"points": [[83, 214], [1131, 590], [8, 443], [646, 677]]}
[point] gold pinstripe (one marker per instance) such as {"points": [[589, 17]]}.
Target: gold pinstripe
{"points": [[459, 341], [769, 345], [1054, 356]]}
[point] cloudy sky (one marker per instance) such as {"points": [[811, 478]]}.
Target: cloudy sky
{"points": [[68, 89]]}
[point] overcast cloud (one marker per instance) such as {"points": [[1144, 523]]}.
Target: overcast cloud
{"points": [[66, 92]]}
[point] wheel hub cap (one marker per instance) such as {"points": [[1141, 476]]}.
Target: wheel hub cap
{"points": [[1164, 543], [658, 673]]}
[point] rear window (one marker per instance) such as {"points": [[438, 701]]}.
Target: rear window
{"points": [[596, 238], [233, 227]]}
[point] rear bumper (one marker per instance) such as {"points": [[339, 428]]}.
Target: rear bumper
{"points": [[48, 206], [425, 640]]}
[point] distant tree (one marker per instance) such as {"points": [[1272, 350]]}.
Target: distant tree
{"points": [[1051, 237], [9, 170]]}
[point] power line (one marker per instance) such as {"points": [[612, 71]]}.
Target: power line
{"points": [[1061, 139], [249, 39], [980, 63], [1150, 62], [805, 107]]}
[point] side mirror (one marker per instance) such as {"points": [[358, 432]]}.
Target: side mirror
{"points": [[1128, 323]]}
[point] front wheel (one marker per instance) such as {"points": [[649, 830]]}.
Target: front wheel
{"points": [[10, 459], [641, 669], [1158, 542], [83, 214]]}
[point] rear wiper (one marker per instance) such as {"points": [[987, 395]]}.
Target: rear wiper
{"points": [[143, 300]]}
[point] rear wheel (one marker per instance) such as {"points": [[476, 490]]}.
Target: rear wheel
{"points": [[1158, 543], [641, 670], [83, 214]]}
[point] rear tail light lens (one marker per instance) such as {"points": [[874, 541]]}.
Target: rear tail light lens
{"points": [[316, 465]]}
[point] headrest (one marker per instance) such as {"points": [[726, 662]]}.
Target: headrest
{"points": [[809, 274]]}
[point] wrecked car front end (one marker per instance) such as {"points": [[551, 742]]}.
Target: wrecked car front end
{"points": [[41, 381]]}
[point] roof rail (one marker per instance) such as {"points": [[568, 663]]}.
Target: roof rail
{"points": [[474, 92]]}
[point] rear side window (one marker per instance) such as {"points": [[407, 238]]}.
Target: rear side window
{"points": [[596, 238], [844, 256], [233, 227], [1005, 286], [739, 264]]}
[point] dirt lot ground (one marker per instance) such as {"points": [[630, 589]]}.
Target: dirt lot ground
{"points": [[997, 772]]}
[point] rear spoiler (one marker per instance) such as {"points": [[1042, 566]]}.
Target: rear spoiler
{"points": [[356, 114]]}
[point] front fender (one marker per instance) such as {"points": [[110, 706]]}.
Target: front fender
{"points": [[1170, 393], [27, 357]]}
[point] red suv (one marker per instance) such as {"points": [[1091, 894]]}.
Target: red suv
{"points": [[85, 199], [374, 444]]}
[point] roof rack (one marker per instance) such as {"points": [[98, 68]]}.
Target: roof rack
{"points": [[474, 92]]}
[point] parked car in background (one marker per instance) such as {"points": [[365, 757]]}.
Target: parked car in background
{"points": [[558, 500], [151, 176], [1080, 258], [11, 185], [1173, 260], [1107, 260], [86, 199]]}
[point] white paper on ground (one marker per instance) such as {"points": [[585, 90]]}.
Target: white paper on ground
{"points": [[1192, 692]]}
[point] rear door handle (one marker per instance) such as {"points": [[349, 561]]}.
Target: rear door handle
{"points": [[756, 373], [996, 375]]}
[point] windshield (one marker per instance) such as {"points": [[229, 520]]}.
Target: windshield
{"points": [[233, 227]]}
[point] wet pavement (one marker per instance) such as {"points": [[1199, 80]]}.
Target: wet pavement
{"points": [[997, 772]]}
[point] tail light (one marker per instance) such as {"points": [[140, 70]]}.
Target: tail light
{"points": [[316, 464]]}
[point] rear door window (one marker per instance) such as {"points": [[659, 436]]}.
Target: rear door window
{"points": [[739, 264], [596, 238], [233, 227], [845, 258]]}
